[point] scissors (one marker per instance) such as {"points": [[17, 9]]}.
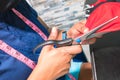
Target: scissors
{"points": [[69, 41]]}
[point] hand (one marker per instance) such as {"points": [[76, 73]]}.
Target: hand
{"points": [[54, 62], [79, 29]]}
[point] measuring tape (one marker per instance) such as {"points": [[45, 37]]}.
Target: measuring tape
{"points": [[16, 54], [71, 77], [30, 24]]}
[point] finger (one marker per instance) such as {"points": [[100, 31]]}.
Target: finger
{"points": [[82, 28], [68, 58], [92, 40], [89, 41], [100, 36], [77, 30], [72, 50], [53, 36]]}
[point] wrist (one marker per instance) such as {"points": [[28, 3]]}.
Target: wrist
{"points": [[39, 73]]}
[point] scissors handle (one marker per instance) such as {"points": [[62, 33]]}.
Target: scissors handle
{"points": [[56, 43]]}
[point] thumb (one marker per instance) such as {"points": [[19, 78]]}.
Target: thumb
{"points": [[53, 34]]}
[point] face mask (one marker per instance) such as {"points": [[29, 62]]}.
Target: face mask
{"points": [[6, 5]]}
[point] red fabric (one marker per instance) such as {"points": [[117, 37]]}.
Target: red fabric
{"points": [[103, 13]]}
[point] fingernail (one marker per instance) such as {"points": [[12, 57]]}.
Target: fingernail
{"points": [[86, 30], [54, 30]]}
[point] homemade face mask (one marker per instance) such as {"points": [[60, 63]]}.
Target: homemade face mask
{"points": [[8, 4]]}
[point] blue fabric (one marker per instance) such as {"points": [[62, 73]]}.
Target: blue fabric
{"points": [[75, 63], [20, 36], [74, 70], [80, 57]]}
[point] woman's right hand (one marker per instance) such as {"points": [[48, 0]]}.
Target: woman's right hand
{"points": [[54, 62]]}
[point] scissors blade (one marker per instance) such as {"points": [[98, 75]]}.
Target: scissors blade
{"points": [[56, 43], [70, 40], [88, 34]]}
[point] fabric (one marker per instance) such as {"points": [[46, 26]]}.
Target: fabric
{"points": [[103, 13], [74, 70], [8, 4], [105, 45], [76, 62], [21, 37], [92, 5], [18, 35]]}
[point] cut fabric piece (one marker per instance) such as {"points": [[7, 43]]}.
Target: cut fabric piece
{"points": [[103, 13]]}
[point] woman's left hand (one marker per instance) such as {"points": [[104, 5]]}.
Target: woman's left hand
{"points": [[79, 29]]}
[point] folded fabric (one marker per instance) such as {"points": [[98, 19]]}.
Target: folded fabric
{"points": [[103, 13]]}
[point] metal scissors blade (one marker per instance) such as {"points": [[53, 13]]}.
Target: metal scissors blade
{"points": [[88, 34], [68, 41]]}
